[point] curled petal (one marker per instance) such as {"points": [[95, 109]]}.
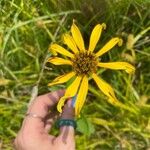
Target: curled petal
{"points": [[109, 45], [103, 86], [109, 92], [69, 41], [62, 79], [118, 66], [70, 92], [77, 37], [58, 49], [61, 103], [95, 35]]}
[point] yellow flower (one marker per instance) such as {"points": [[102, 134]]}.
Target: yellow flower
{"points": [[85, 63]]}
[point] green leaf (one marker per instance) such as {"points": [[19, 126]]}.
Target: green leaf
{"points": [[85, 126]]}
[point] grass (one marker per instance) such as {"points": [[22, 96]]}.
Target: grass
{"points": [[26, 30]]}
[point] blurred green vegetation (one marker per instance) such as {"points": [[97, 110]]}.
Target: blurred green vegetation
{"points": [[27, 27]]}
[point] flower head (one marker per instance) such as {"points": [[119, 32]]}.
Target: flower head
{"points": [[85, 63]]}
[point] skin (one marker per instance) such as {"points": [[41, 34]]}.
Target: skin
{"points": [[34, 133]]}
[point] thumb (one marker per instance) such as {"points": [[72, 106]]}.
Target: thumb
{"points": [[67, 132]]}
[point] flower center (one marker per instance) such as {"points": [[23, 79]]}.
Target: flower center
{"points": [[84, 63]]}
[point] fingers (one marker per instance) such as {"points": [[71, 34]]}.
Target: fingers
{"points": [[42, 103], [67, 132], [40, 107], [51, 118], [68, 111]]}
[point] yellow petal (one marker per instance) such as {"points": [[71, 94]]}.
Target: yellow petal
{"points": [[95, 35], [58, 49], [59, 61], [61, 103], [108, 91], [73, 88], [77, 37], [118, 66], [70, 92], [54, 53], [109, 45], [103, 86], [81, 96], [62, 79], [69, 41]]}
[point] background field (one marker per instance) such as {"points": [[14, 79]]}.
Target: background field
{"points": [[27, 27]]}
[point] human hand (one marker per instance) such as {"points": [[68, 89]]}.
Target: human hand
{"points": [[33, 134]]}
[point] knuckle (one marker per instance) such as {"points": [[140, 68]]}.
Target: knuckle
{"points": [[39, 100]]}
